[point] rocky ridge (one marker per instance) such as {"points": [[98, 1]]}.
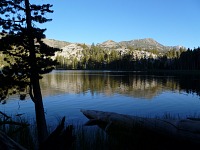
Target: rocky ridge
{"points": [[141, 47]]}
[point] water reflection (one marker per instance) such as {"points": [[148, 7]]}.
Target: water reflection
{"points": [[138, 85], [133, 93]]}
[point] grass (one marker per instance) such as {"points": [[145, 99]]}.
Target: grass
{"points": [[94, 138], [19, 129]]}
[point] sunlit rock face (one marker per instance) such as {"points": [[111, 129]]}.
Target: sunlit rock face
{"points": [[71, 51]]}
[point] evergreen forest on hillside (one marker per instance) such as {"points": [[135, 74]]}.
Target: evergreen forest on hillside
{"points": [[95, 57]]}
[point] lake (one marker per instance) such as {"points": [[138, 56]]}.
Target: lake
{"points": [[133, 93]]}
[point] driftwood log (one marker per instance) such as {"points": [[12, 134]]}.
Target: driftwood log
{"points": [[183, 129]]}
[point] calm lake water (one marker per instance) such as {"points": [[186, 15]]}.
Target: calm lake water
{"points": [[141, 94]]}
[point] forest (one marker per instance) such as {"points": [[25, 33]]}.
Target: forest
{"points": [[97, 58]]}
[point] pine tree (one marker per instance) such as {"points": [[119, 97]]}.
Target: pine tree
{"points": [[22, 40]]}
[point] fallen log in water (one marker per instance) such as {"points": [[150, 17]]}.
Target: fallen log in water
{"points": [[182, 129]]}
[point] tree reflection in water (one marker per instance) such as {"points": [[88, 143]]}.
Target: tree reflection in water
{"points": [[134, 84]]}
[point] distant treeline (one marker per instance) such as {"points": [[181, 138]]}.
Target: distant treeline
{"points": [[98, 58]]}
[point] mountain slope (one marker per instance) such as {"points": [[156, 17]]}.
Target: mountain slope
{"points": [[55, 43], [141, 46], [144, 44]]}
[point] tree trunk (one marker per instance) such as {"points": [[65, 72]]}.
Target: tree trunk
{"points": [[34, 79], [39, 111]]}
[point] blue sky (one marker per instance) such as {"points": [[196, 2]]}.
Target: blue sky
{"points": [[170, 22]]}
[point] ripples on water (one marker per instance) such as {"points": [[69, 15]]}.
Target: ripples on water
{"points": [[66, 92]]}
